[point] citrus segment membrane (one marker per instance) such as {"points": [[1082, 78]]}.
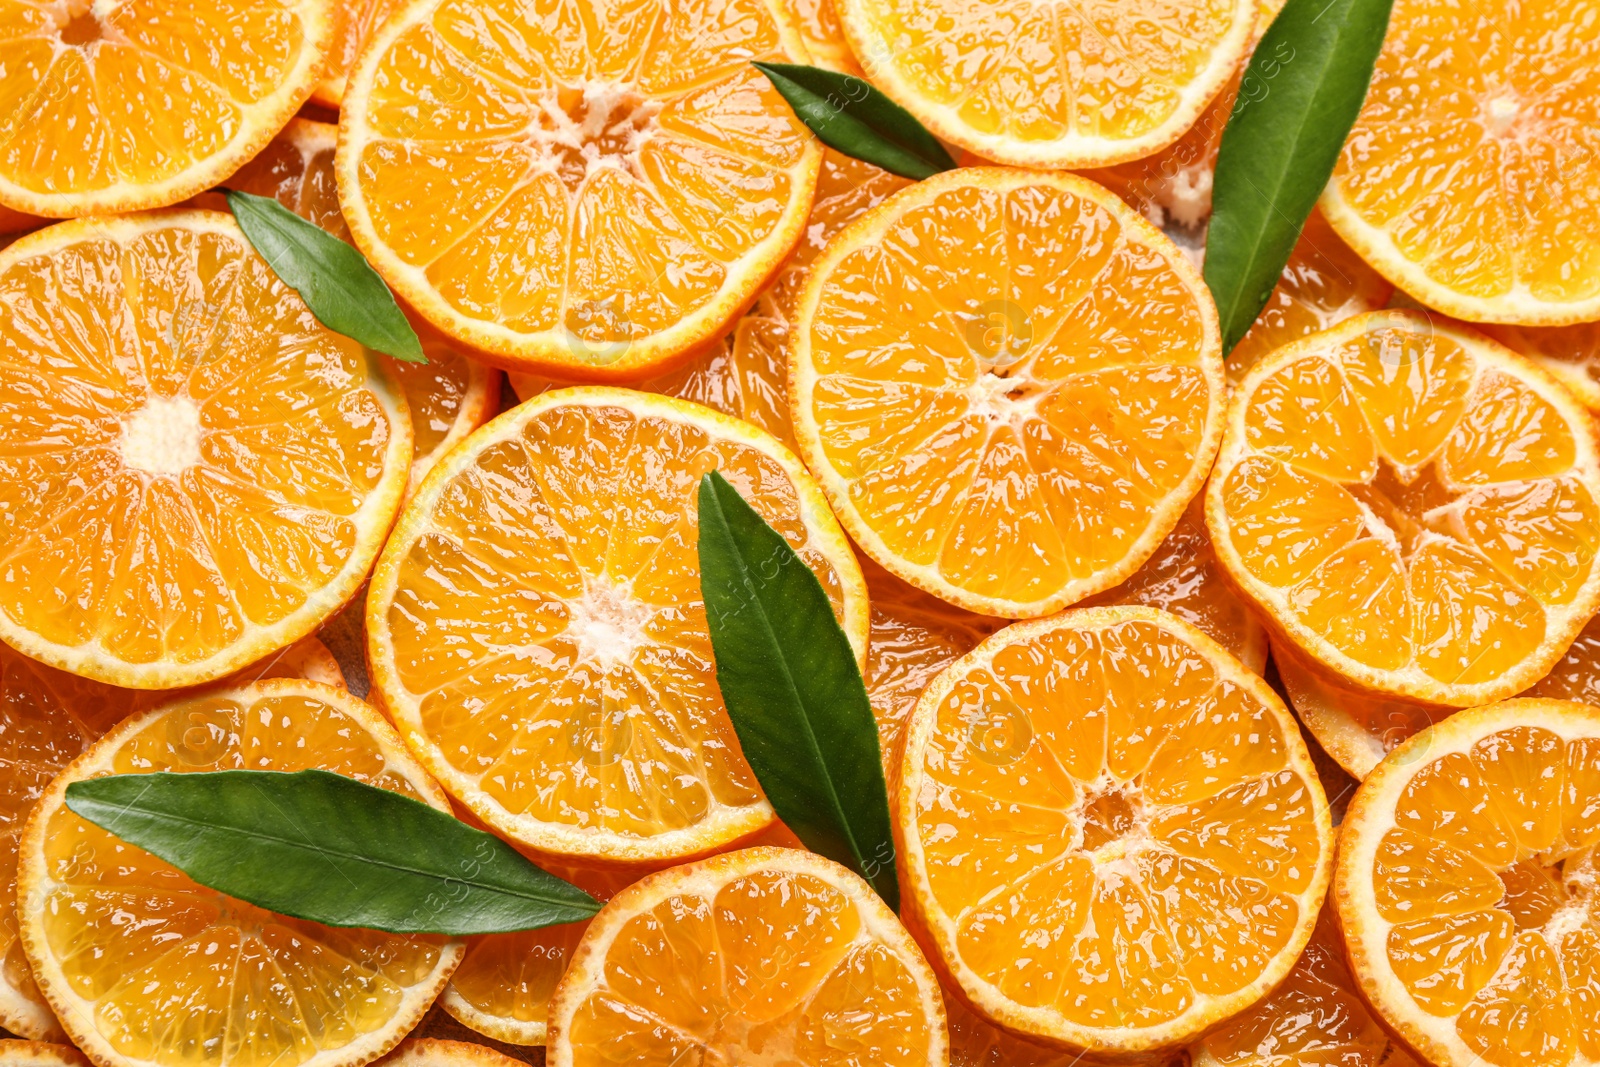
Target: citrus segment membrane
{"points": [[144, 966], [1111, 831], [1571, 353], [536, 631], [352, 25], [766, 954], [195, 471], [1412, 507], [1467, 886], [991, 416], [585, 199]]}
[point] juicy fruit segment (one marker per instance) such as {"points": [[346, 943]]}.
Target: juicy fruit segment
{"points": [[824, 36], [1413, 507], [535, 625], [88, 131], [995, 79], [1571, 353], [992, 417], [143, 965], [1090, 805], [604, 219], [764, 955], [976, 1042], [1467, 886], [1468, 177], [195, 471], [352, 25]]}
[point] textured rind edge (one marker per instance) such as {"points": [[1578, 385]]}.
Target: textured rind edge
{"points": [[277, 110], [705, 879], [867, 230], [390, 694], [1370, 815], [1129, 1046], [31, 874], [39, 1053], [441, 1052], [544, 353], [512, 1033], [1586, 438], [1074, 152], [377, 513]]}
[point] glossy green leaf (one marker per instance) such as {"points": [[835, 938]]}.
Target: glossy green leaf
{"points": [[1300, 95], [324, 847], [792, 687], [332, 277], [851, 116]]}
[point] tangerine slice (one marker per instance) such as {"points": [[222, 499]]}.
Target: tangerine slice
{"points": [[144, 966], [976, 1042], [992, 416], [767, 954], [823, 35], [588, 197], [1412, 507], [126, 106], [39, 1054], [1571, 353], [1468, 179], [535, 627], [436, 1052], [1112, 834], [352, 25], [1467, 887], [194, 471]]}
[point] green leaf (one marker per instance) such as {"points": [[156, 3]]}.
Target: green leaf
{"points": [[324, 847], [851, 116], [1300, 95], [333, 278], [792, 687]]}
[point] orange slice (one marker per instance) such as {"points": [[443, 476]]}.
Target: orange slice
{"points": [[353, 23], [1468, 177], [1467, 887], [1412, 507], [1111, 832], [535, 629], [143, 966], [120, 107], [39, 1054], [1076, 84], [976, 1042], [592, 202], [765, 955], [435, 1052], [1571, 353], [745, 372], [195, 472], [47, 719], [992, 416], [824, 36]]}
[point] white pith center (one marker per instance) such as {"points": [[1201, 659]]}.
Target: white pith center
{"points": [[163, 437], [607, 625], [1501, 114], [607, 128]]}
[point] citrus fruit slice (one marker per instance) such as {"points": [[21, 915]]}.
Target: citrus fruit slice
{"points": [[437, 1052], [824, 36], [1314, 1017], [609, 215], [120, 107], [1411, 506], [39, 1054], [1467, 887], [992, 417], [976, 1042], [764, 955], [1467, 178], [451, 394], [353, 23], [535, 628], [48, 718], [194, 471], [1112, 836], [1076, 84], [143, 966], [1571, 353]]}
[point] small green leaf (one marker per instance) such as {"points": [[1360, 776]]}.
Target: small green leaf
{"points": [[792, 687], [330, 849], [1300, 95], [333, 278], [851, 116]]}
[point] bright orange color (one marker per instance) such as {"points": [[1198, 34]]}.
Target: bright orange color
{"points": [[1412, 507], [1467, 887], [767, 955], [976, 1042], [1110, 831], [993, 415], [1067, 85], [1571, 353], [353, 23], [1469, 179], [535, 628], [194, 471], [588, 202], [143, 966], [120, 107], [434, 1052]]}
